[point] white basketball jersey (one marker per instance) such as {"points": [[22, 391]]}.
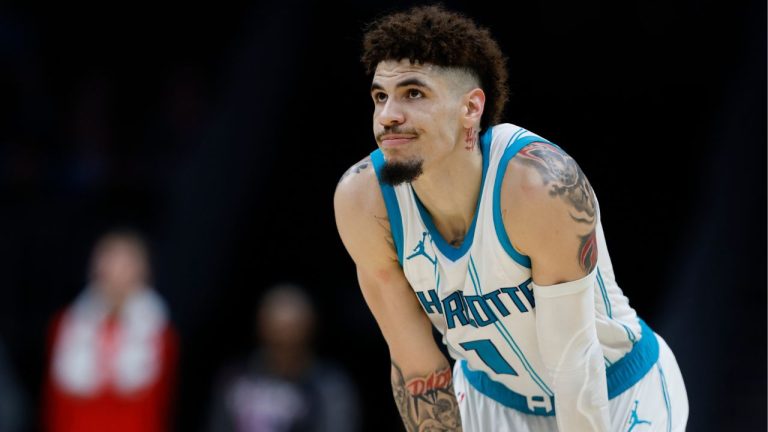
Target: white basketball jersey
{"points": [[479, 298]]}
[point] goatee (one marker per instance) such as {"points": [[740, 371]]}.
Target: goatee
{"points": [[395, 173]]}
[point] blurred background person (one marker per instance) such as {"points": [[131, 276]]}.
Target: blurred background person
{"points": [[113, 351], [282, 386]]}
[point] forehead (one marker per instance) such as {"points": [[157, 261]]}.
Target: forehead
{"points": [[119, 245], [391, 71]]}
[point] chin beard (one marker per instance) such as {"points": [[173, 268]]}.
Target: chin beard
{"points": [[395, 173]]}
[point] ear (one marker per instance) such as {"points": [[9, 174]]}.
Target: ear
{"points": [[474, 102]]}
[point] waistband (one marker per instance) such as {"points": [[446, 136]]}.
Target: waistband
{"points": [[621, 375]]}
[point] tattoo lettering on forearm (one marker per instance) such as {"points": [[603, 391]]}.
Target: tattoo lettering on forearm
{"points": [[436, 380], [565, 178], [357, 168], [426, 404]]}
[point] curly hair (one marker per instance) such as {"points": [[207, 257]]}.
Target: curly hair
{"points": [[431, 34]]}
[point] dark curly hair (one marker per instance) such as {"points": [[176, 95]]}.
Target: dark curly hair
{"points": [[431, 34]]}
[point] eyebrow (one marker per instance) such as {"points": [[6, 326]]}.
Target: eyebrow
{"points": [[405, 83]]}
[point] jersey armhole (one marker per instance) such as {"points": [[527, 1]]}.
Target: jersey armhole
{"points": [[516, 142], [390, 201]]}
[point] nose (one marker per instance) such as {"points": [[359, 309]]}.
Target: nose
{"points": [[390, 114]]}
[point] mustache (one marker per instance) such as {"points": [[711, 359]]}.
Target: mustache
{"points": [[395, 131]]}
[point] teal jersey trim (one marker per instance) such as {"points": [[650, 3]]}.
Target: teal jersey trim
{"points": [[507, 336], [500, 393], [604, 293], [621, 375], [515, 144], [628, 370], [608, 308], [390, 201], [667, 403], [451, 252]]}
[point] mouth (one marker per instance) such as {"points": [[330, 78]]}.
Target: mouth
{"points": [[396, 140]]}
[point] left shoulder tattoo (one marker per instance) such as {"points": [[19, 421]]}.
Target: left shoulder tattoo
{"points": [[357, 168], [566, 181]]}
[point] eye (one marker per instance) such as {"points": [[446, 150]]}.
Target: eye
{"points": [[414, 94], [379, 97]]}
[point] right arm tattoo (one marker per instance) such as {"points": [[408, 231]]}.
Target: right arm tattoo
{"points": [[566, 181], [564, 177], [426, 404]]}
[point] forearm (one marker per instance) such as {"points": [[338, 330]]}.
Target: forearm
{"points": [[569, 347], [426, 403], [581, 401]]}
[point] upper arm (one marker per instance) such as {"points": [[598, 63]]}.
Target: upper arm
{"points": [[361, 219], [549, 211]]}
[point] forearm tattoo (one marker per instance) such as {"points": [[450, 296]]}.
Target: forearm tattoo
{"points": [[426, 404], [567, 182]]}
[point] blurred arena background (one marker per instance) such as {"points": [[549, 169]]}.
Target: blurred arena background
{"points": [[219, 132]]}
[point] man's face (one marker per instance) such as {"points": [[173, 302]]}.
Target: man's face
{"points": [[119, 268], [417, 112], [284, 323]]}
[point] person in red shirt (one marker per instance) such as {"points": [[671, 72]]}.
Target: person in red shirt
{"points": [[113, 351]]}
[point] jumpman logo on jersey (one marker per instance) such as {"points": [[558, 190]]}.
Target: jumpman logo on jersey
{"points": [[420, 249], [634, 420]]}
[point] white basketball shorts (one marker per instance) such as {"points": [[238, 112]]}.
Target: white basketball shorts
{"points": [[658, 402]]}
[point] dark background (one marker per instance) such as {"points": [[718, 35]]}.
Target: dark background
{"points": [[221, 132]]}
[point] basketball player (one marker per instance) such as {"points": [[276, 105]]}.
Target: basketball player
{"points": [[492, 235]]}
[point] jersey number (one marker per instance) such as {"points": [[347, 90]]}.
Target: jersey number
{"points": [[488, 353]]}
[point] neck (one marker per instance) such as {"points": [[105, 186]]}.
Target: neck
{"points": [[449, 190]]}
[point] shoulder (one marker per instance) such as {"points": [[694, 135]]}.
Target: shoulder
{"points": [[54, 324], [544, 187], [358, 186], [500, 135], [544, 173], [170, 337], [361, 214], [358, 197]]}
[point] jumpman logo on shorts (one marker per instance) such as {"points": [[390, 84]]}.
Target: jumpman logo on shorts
{"points": [[634, 420], [420, 249]]}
